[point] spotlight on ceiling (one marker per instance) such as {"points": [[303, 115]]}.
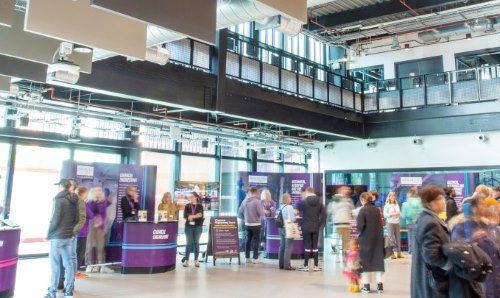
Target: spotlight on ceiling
{"points": [[74, 136], [468, 36], [407, 46], [371, 144], [395, 43], [82, 49], [345, 58], [417, 141], [309, 155]]}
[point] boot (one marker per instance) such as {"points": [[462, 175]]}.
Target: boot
{"points": [[380, 287], [394, 256], [400, 255], [355, 288]]}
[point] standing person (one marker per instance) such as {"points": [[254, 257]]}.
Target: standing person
{"points": [[286, 244], [65, 216], [81, 237], [410, 211], [251, 211], [269, 207], [313, 219], [353, 266], [428, 260], [371, 243], [392, 213], [193, 213], [130, 204], [168, 206], [451, 205], [342, 216], [97, 206]]}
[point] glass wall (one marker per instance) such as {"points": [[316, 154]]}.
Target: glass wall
{"points": [[196, 168], [229, 184], [36, 170], [165, 174], [4, 159], [268, 167], [95, 156]]}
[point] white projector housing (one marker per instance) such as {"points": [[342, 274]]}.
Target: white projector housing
{"points": [[63, 71], [157, 55]]}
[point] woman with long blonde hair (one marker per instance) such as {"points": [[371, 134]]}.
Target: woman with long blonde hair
{"points": [[392, 215]]}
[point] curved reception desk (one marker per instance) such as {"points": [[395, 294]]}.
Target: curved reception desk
{"points": [[9, 245], [273, 241], [149, 247]]}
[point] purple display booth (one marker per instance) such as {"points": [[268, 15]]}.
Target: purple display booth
{"points": [[273, 241], [9, 245], [149, 247]]}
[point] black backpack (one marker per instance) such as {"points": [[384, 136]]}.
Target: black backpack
{"points": [[280, 223]]}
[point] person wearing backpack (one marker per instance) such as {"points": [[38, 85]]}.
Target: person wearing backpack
{"points": [[410, 211], [285, 213]]}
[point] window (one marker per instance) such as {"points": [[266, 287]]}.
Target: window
{"points": [[94, 156], [370, 75], [200, 169], [267, 153], [36, 170], [294, 157], [165, 169], [230, 151], [419, 67], [155, 138], [268, 167], [294, 169]]}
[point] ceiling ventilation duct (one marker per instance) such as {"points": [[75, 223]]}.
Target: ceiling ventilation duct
{"points": [[233, 12], [486, 26]]}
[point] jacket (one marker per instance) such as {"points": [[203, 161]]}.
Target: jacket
{"points": [[251, 211], [287, 212], [431, 233], [82, 219], [84, 231], [65, 216], [98, 210], [170, 209], [313, 214], [451, 208], [189, 210], [127, 211], [371, 238], [342, 211], [411, 210]]}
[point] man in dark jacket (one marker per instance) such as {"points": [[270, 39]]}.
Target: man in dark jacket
{"points": [[451, 205], [65, 216], [371, 243], [313, 219]]}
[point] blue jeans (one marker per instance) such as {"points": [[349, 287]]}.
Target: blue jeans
{"points": [[411, 236], [286, 249], [62, 249], [193, 234], [73, 258]]}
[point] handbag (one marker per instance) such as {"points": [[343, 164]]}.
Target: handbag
{"points": [[292, 230]]}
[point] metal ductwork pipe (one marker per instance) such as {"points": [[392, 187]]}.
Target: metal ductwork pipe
{"points": [[487, 26]]}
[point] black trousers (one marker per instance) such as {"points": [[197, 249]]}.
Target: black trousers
{"points": [[253, 234], [311, 247], [81, 244]]}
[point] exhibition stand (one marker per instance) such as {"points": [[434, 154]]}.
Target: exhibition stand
{"points": [[149, 247], [9, 245], [273, 241]]}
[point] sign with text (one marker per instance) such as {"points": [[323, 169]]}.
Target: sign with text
{"points": [[225, 242]]}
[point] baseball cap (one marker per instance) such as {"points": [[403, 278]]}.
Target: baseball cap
{"points": [[61, 182]]}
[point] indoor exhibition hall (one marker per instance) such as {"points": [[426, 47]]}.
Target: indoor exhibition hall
{"points": [[249, 148]]}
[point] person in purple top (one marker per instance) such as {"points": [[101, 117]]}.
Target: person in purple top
{"points": [[97, 206]]}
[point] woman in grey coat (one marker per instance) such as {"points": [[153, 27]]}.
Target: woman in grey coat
{"points": [[430, 267]]}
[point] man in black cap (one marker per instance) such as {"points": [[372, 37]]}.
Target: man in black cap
{"points": [[64, 218]]}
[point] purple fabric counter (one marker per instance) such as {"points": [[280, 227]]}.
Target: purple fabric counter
{"points": [[9, 244], [273, 241], [149, 247]]}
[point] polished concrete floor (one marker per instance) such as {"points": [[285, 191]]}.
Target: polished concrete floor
{"points": [[223, 280]]}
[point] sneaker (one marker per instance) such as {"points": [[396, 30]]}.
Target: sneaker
{"points": [[290, 268], [196, 264], [365, 289], [81, 275], [106, 269], [49, 295], [185, 263], [317, 268], [303, 268], [68, 295], [88, 269], [255, 261], [60, 284], [355, 288], [380, 287]]}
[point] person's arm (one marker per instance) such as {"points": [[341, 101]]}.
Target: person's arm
{"points": [[431, 245], [322, 216], [82, 211], [361, 220], [386, 211], [291, 213], [56, 215], [125, 207], [186, 214], [260, 211], [199, 212], [241, 212]]}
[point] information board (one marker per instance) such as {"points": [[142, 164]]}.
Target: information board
{"points": [[223, 238]]}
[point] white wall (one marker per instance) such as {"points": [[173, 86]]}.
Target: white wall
{"points": [[454, 150], [448, 50]]}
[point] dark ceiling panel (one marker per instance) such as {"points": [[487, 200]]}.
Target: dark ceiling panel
{"points": [[194, 18], [24, 69]]}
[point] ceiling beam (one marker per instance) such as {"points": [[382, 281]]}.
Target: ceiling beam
{"points": [[372, 11]]}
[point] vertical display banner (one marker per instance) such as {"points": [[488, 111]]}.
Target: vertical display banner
{"points": [[223, 238], [114, 180], [9, 245]]}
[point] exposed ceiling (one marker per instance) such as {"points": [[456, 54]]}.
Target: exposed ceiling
{"points": [[346, 22]]}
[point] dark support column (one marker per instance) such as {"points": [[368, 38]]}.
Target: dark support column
{"points": [[178, 156], [253, 160], [219, 68]]}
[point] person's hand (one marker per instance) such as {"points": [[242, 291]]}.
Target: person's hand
{"points": [[190, 218], [136, 198]]}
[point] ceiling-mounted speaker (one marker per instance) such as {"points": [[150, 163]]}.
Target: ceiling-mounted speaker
{"points": [[204, 144], [262, 150]]}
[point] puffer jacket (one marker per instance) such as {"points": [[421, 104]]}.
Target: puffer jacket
{"points": [[342, 211], [65, 216]]}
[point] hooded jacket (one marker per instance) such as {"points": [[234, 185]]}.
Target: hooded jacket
{"points": [[65, 216], [251, 211], [342, 211], [313, 214]]}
